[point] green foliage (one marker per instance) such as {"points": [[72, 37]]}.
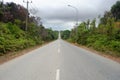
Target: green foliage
{"points": [[65, 34], [115, 46], [81, 33], [12, 38], [104, 19], [98, 42], [93, 25], [116, 10], [15, 30], [104, 38], [18, 22]]}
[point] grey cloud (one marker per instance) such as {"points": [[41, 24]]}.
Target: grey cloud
{"points": [[56, 13], [69, 15], [63, 14]]}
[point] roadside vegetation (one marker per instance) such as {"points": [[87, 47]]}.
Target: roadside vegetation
{"points": [[105, 37], [13, 36]]}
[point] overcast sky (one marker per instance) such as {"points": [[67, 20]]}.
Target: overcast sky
{"points": [[57, 15]]}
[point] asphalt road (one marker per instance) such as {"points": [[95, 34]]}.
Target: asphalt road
{"points": [[60, 60]]}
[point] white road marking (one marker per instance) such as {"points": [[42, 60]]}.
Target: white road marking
{"points": [[59, 45], [58, 50], [58, 74]]}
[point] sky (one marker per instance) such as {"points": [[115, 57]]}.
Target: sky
{"points": [[56, 14]]}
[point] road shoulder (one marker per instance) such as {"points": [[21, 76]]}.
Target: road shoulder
{"points": [[117, 59]]}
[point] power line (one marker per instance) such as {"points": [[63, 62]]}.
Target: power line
{"points": [[35, 6], [33, 9]]}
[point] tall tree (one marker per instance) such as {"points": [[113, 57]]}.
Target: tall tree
{"points": [[65, 34], [104, 19], [93, 25], [116, 10]]}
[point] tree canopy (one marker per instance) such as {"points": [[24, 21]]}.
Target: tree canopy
{"points": [[115, 10]]}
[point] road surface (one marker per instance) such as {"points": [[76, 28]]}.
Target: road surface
{"points": [[60, 60]]}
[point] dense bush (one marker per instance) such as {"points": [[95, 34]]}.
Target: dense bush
{"points": [[12, 38], [115, 46], [65, 34]]}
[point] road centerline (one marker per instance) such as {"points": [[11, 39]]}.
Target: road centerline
{"points": [[58, 74], [58, 50]]}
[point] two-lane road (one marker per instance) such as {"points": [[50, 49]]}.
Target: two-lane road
{"points": [[60, 60]]}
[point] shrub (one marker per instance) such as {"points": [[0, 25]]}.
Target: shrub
{"points": [[115, 46]]}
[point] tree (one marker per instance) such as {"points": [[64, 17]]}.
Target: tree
{"points": [[110, 27], [88, 24], [115, 10], [81, 33], [65, 34], [1, 10], [104, 19], [93, 26]]}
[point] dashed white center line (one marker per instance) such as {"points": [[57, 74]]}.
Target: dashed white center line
{"points": [[58, 50], [58, 45], [58, 74]]}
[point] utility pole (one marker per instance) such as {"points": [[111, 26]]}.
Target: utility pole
{"points": [[77, 12], [27, 13]]}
